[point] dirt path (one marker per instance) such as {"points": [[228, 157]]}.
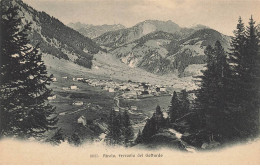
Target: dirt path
{"points": [[178, 136], [66, 113]]}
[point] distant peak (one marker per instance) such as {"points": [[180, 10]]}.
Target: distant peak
{"points": [[199, 26]]}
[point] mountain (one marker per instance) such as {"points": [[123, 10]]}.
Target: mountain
{"points": [[120, 37], [54, 37], [162, 53], [199, 26], [93, 31]]}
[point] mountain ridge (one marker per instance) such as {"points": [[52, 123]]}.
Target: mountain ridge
{"points": [[93, 31], [54, 37], [163, 53], [120, 37]]}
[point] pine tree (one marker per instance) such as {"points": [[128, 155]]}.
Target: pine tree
{"points": [[127, 128], [111, 128], [118, 129], [24, 80], [211, 100], [149, 130], [244, 59], [114, 134], [12, 44], [220, 120], [158, 117], [185, 103], [174, 109], [249, 82], [153, 125], [206, 92]]}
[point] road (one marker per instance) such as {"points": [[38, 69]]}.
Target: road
{"points": [[66, 113]]}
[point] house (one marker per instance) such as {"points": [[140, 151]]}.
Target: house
{"points": [[133, 107], [54, 79], [162, 89], [82, 120], [116, 109], [78, 103], [65, 88], [79, 79], [73, 87], [52, 97]]}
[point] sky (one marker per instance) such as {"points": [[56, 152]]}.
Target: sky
{"points": [[221, 15]]}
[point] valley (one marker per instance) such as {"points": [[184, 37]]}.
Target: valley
{"points": [[99, 69], [98, 90]]}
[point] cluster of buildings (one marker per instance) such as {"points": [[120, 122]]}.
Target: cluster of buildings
{"points": [[128, 89]]}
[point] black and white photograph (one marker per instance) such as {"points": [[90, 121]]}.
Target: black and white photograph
{"points": [[129, 82]]}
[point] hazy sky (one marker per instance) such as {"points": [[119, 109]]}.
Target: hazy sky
{"points": [[221, 15]]}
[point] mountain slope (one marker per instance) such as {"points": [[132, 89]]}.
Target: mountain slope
{"points": [[93, 31], [162, 53], [120, 37], [54, 37]]}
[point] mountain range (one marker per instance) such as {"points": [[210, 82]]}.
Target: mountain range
{"points": [[159, 47], [93, 31]]}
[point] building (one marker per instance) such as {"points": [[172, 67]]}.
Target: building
{"points": [[54, 79], [73, 87], [78, 103], [79, 79], [65, 88], [162, 89], [82, 120], [52, 97], [116, 109]]}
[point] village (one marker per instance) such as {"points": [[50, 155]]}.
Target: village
{"points": [[121, 93], [129, 89], [126, 90]]}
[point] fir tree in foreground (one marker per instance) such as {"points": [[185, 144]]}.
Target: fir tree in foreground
{"points": [[152, 126], [180, 106], [175, 107], [212, 98], [24, 80], [228, 99], [128, 133], [119, 129], [245, 79]]}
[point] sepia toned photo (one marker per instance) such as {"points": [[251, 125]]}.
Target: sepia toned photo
{"points": [[129, 82]]}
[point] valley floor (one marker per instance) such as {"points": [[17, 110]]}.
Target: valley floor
{"points": [[84, 107]]}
